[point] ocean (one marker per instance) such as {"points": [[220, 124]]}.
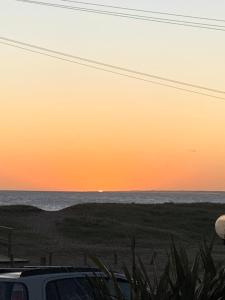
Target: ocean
{"points": [[52, 201]]}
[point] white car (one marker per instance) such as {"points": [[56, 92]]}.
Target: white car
{"points": [[54, 283]]}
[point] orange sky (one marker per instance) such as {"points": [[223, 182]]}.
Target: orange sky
{"points": [[64, 127]]}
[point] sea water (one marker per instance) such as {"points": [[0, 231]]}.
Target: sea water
{"points": [[58, 200]]}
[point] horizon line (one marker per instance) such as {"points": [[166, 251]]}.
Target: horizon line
{"points": [[115, 191]]}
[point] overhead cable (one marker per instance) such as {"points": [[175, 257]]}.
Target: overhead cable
{"points": [[100, 66], [130, 16], [144, 11], [112, 66]]}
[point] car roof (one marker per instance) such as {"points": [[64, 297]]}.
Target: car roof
{"points": [[27, 272], [35, 271], [13, 275]]}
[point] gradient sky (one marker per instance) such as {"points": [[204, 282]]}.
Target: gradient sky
{"points": [[66, 127]]}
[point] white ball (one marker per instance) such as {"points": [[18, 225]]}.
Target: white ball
{"points": [[220, 227]]}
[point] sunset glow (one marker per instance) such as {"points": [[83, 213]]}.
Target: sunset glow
{"points": [[67, 127]]}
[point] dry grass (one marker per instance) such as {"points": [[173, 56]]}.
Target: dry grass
{"points": [[102, 229]]}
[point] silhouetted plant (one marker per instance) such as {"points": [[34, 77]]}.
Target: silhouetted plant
{"points": [[180, 279]]}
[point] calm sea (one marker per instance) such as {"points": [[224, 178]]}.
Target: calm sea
{"points": [[59, 200]]}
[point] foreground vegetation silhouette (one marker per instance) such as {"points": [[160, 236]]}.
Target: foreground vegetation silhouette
{"points": [[202, 278]]}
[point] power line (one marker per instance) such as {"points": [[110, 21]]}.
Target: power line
{"points": [[145, 11], [138, 17], [9, 42], [113, 72], [130, 16], [111, 66]]}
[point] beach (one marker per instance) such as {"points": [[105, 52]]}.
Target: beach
{"points": [[105, 230]]}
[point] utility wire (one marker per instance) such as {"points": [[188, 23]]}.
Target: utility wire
{"points": [[111, 66], [145, 11], [146, 18], [113, 72], [130, 16]]}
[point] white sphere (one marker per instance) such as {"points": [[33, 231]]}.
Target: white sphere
{"points": [[220, 227]]}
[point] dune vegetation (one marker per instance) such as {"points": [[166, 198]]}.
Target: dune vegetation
{"points": [[106, 230]]}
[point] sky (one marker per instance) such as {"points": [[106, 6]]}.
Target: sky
{"points": [[67, 127]]}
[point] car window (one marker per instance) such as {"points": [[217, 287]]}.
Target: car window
{"points": [[13, 291], [81, 288], [66, 289], [19, 292], [51, 291], [5, 290], [93, 283], [124, 287]]}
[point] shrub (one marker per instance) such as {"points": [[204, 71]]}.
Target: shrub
{"points": [[201, 279]]}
